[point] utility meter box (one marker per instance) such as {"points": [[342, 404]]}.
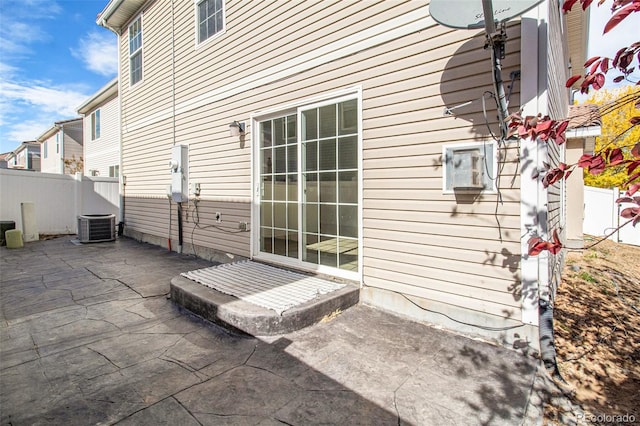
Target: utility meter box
{"points": [[179, 173]]}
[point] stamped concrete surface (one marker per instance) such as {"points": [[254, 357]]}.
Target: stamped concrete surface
{"points": [[89, 336]]}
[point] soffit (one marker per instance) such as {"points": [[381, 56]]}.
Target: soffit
{"points": [[118, 13]]}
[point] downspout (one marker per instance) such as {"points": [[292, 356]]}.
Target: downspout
{"points": [[123, 177], [102, 21]]}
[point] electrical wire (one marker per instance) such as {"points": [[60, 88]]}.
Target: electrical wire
{"points": [[482, 327], [484, 113], [196, 221]]}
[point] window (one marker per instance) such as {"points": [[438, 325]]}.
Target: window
{"points": [[57, 143], [210, 17], [114, 171], [95, 125], [309, 177], [469, 167], [45, 149], [135, 51]]}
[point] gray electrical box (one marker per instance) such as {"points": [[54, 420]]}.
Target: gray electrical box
{"points": [[179, 173]]}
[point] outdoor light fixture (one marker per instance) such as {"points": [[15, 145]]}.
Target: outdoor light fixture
{"points": [[236, 128]]}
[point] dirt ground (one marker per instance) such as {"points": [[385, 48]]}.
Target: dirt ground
{"points": [[597, 328]]}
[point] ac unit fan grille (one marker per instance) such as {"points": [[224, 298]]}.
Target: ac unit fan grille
{"points": [[96, 228]]}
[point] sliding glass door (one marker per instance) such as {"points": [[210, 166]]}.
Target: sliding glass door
{"points": [[309, 185]]}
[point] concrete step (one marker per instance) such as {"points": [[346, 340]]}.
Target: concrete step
{"points": [[240, 315]]}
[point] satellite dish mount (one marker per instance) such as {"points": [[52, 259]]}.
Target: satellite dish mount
{"points": [[492, 16], [496, 39]]}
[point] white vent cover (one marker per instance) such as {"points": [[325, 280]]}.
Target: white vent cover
{"points": [[95, 228]]}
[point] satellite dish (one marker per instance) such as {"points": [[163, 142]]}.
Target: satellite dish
{"points": [[469, 15]]}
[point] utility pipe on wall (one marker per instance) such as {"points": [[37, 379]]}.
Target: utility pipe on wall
{"points": [[179, 227]]}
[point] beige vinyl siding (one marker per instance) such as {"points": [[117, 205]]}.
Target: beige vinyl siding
{"points": [[461, 250], [558, 103], [259, 39], [73, 140], [153, 93], [103, 152], [150, 215]]}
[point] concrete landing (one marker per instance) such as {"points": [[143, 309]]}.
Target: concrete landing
{"points": [[255, 320], [88, 337]]}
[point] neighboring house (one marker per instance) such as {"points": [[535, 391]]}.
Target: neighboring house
{"points": [[584, 126], [61, 147], [102, 132], [347, 165], [3, 160], [25, 157]]}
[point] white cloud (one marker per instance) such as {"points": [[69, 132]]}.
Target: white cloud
{"points": [[48, 99], [21, 25], [27, 109], [98, 52], [7, 71], [29, 130], [16, 37]]}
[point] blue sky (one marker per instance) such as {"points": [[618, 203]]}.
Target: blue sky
{"points": [[53, 56]]}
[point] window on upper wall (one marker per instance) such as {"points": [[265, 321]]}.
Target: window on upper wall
{"points": [[135, 51], [95, 125], [114, 171], [210, 18]]}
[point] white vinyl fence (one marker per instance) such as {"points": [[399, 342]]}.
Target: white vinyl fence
{"points": [[602, 216], [58, 199]]}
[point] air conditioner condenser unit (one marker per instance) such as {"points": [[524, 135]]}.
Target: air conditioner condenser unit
{"points": [[95, 228]]}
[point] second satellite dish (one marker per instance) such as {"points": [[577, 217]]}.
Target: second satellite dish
{"points": [[468, 15]]}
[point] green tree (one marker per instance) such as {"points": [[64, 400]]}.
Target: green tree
{"points": [[617, 108]]}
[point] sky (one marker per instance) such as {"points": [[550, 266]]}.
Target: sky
{"points": [[53, 57], [600, 44]]}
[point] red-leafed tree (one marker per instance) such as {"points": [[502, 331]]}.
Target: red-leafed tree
{"points": [[598, 70]]}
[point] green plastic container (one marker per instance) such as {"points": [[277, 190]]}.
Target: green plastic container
{"points": [[14, 238], [5, 225]]}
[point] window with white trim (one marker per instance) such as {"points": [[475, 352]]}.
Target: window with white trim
{"points": [[45, 149], [95, 125], [210, 18], [57, 143], [135, 51], [469, 167], [114, 171]]}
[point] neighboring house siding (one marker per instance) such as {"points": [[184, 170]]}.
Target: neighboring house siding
{"points": [[73, 140], [103, 152], [51, 163]]}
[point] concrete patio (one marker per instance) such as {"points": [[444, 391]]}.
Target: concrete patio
{"points": [[89, 336]]}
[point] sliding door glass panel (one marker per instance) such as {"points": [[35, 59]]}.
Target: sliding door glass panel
{"points": [[329, 141], [279, 186]]}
